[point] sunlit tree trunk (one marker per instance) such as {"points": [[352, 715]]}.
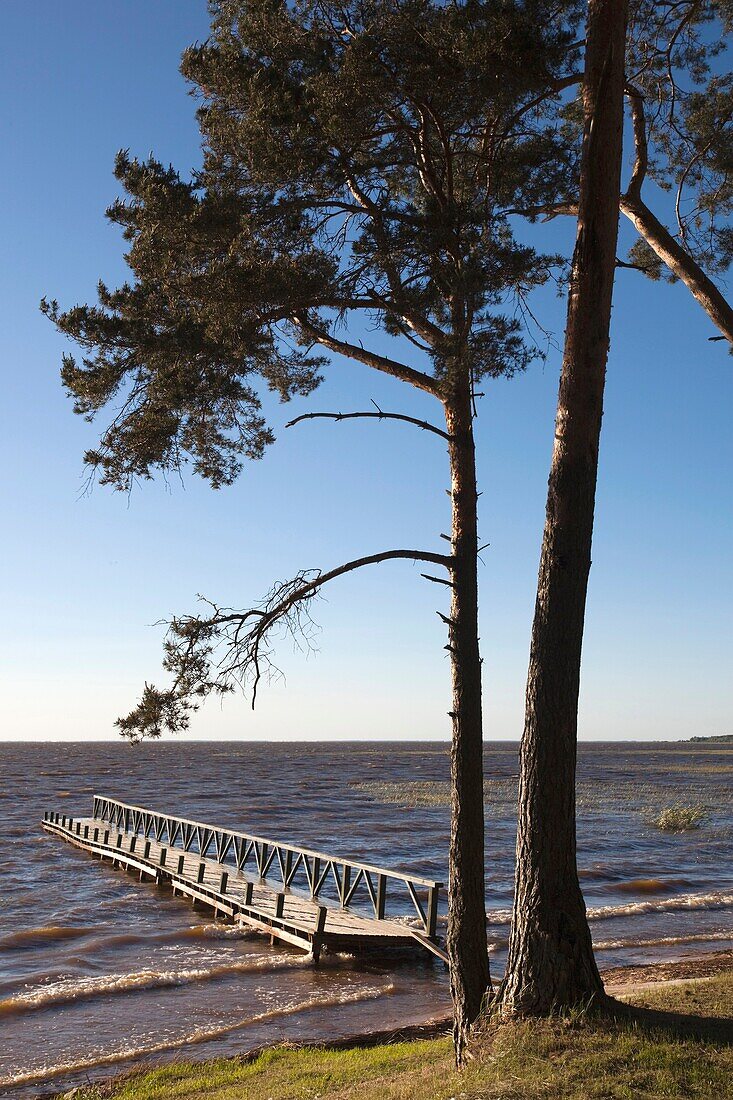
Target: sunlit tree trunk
{"points": [[551, 963], [466, 941]]}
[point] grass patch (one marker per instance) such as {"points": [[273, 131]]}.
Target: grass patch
{"points": [[430, 793], [680, 819], [581, 1060]]}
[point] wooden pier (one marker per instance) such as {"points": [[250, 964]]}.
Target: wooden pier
{"points": [[311, 900]]}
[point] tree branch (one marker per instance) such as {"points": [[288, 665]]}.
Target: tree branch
{"points": [[230, 649], [421, 325], [378, 415], [680, 263], [370, 359], [557, 87], [641, 161], [633, 267]]}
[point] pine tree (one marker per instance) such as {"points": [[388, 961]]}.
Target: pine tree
{"points": [[551, 964], [680, 100], [360, 159]]}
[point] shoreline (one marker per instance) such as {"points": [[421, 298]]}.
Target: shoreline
{"points": [[618, 981]]}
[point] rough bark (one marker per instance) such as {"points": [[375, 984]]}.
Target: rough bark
{"points": [[466, 940], [551, 964]]}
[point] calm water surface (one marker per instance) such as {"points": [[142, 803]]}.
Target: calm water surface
{"points": [[97, 969]]}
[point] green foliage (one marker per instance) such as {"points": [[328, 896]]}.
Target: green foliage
{"points": [[646, 260], [678, 61], [365, 158]]}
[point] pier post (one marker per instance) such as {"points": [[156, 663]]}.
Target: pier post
{"points": [[432, 912], [201, 872], [318, 932], [248, 893], [345, 884], [181, 861], [223, 883], [381, 897], [279, 904], [163, 854], [146, 850]]}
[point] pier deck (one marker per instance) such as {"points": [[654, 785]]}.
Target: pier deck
{"points": [[311, 900]]}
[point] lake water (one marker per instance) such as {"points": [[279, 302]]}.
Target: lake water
{"points": [[97, 969]]}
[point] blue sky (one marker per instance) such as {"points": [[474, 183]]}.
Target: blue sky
{"points": [[85, 577]]}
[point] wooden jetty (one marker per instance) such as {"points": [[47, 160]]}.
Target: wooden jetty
{"points": [[312, 900]]}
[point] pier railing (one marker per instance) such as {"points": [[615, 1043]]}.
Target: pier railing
{"points": [[380, 888]]}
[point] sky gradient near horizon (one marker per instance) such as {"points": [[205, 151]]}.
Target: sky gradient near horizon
{"points": [[86, 576]]}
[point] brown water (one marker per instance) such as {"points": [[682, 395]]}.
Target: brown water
{"points": [[98, 970]]}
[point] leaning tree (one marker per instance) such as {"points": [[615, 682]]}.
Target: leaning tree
{"points": [[680, 98], [359, 160]]}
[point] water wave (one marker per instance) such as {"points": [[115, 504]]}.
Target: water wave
{"points": [[39, 937], [664, 941], [680, 903], [206, 932], [70, 990], [200, 1035], [649, 885]]}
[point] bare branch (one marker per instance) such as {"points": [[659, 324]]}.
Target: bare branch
{"points": [[547, 213], [230, 649], [378, 415], [641, 161], [644, 269], [369, 358]]}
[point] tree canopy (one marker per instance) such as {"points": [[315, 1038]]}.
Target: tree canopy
{"points": [[356, 157]]}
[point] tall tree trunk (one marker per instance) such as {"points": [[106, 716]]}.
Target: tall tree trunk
{"points": [[551, 963], [466, 941]]}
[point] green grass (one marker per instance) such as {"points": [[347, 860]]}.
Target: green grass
{"points": [[680, 819], [593, 797], [582, 1060]]}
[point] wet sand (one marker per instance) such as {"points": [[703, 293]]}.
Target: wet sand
{"points": [[625, 979]]}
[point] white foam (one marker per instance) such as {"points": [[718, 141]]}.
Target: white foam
{"points": [[201, 1035], [679, 903], [68, 990]]}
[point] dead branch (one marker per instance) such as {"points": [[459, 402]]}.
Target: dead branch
{"points": [[437, 580], [378, 415]]}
